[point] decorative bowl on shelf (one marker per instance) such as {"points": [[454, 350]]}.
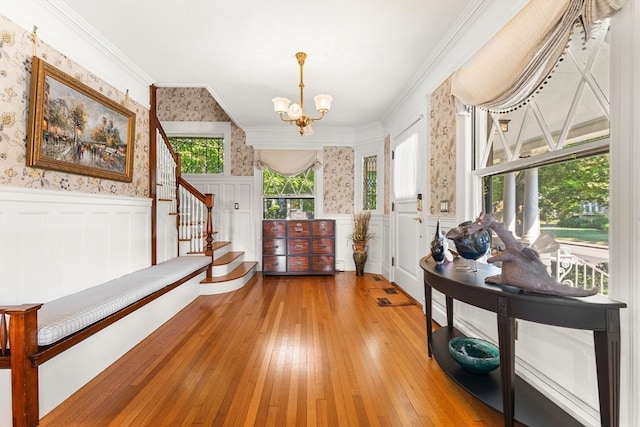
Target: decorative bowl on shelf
{"points": [[474, 355]]}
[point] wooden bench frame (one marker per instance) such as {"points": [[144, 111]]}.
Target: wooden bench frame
{"points": [[24, 355]]}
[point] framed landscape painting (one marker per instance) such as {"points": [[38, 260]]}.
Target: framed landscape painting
{"points": [[76, 129]]}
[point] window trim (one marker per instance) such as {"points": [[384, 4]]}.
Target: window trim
{"points": [[551, 157], [207, 130]]}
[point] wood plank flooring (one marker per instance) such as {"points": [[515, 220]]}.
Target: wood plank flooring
{"points": [[282, 351]]}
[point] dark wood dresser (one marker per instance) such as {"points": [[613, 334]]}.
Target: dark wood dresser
{"points": [[298, 247]]}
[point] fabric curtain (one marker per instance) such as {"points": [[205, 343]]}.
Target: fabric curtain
{"points": [[516, 61], [288, 162]]}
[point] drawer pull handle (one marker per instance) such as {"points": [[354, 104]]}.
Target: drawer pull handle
{"points": [[298, 246], [322, 246], [299, 229], [274, 263], [274, 247], [275, 229], [323, 229], [298, 264]]}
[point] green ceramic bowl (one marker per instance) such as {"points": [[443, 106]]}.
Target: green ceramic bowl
{"points": [[475, 355]]}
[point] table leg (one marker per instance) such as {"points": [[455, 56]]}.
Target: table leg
{"points": [[506, 342], [607, 348], [428, 309], [449, 302]]}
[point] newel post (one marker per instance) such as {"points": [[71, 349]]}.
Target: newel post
{"points": [[23, 341], [208, 251]]}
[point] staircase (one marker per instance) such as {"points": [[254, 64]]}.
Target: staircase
{"points": [[190, 211], [229, 272]]}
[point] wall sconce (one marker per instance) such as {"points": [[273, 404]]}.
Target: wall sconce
{"points": [[444, 206], [504, 125]]}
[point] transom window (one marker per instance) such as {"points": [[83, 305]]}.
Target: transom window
{"points": [[199, 155]]}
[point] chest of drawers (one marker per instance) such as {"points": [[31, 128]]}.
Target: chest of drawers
{"points": [[298, 247]]}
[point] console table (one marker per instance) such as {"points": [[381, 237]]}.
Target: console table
{"points": [[502, 389]]}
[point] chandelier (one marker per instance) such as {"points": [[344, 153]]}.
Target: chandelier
{"points": [[294, 113]]}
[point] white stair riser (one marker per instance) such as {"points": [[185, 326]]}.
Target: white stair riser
{"points": [[231, 285], [221, 251], [221, 270]]}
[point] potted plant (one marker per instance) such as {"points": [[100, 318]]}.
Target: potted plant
{"points": [[360, 236]]}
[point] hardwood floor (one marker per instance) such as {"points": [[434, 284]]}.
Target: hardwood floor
{"points": [[282, 351]]}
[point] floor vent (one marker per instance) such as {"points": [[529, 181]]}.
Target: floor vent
{"points": [[390, 291], [377, 278], [383, 301]]}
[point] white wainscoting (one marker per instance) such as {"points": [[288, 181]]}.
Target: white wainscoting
{"points": [[166, 232], [234, 213], [344, 250], [55, 243]]}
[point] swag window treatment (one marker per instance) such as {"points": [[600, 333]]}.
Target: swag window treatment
{"points": [[520, 57], [288, 162]]}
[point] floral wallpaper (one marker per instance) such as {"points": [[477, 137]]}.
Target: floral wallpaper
{"points": [[16, 51], [442, 150], [338, 169], [387, 175], [194, 104]]}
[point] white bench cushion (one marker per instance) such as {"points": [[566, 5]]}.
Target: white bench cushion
{"points": [[69, 314]]}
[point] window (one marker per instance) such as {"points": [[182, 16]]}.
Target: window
{"points": [[405, 169], [545, 166], [199, 155], [369, 183], [288, 197]]}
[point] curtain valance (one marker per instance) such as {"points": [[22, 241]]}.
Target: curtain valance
{"points": [[517, 60], [288, 162]]}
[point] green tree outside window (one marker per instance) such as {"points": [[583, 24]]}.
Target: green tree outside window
{"points": [[199, 155]]}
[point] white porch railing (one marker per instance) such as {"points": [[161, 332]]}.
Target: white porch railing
{"points": [[577, 272]]}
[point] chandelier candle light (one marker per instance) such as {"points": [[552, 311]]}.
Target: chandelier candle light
{"points": [[294, 113]]}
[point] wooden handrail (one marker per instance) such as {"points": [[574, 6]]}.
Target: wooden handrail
{"points": [[193, 190]]}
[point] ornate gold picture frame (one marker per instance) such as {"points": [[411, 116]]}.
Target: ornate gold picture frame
{"points": [[75, 129]]}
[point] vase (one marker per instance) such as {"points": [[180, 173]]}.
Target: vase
{"points": [[359, 257]]}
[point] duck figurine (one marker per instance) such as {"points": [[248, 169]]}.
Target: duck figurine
{"points": [[471, 243], [440, 247]]}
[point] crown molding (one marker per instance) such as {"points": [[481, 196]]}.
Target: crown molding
{"points": [[64, 30], [481, 20], [287, 137]]}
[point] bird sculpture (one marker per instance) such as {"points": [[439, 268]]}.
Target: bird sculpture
{"points": [[440, 247], [521, 265], [471, 243]]}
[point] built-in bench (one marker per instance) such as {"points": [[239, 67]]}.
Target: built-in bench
{"points": [[31, 334]]}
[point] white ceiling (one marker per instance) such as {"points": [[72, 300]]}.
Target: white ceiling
{"points": [[363, 53]]}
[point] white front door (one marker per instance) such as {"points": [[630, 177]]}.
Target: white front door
{"points": [[406, 218]]}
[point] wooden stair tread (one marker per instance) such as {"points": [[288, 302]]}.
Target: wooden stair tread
{"points": [[238, 272], [227, 258]]}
